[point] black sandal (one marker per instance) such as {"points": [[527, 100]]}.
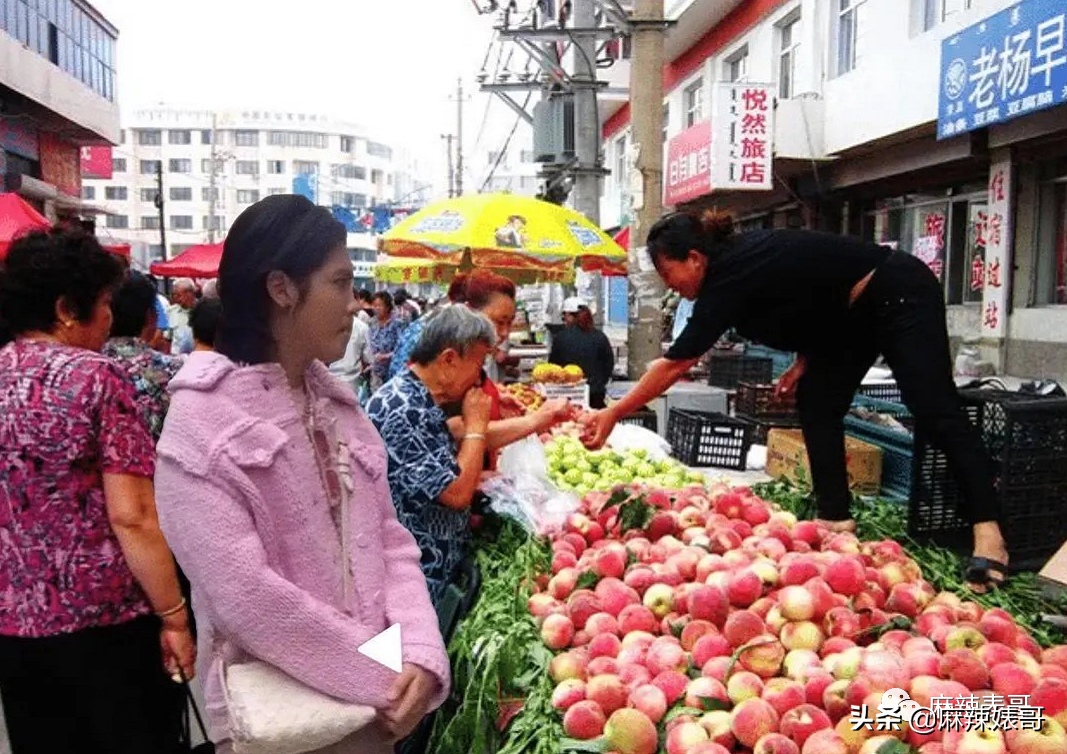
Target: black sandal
{"points": [[980, 571]]}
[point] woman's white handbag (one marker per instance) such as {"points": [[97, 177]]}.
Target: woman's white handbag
{"points": [[272, 713]]}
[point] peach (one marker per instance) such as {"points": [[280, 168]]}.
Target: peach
{"points": [[744, 587], [639, 578], [1053, 671], [709, 603], [808, 532], [845, 576], [923, 663], [568, 665], [743, 686], [885, 670], [716, 668], [614, 595], [763, 656], [637, 618], [562, 584], [694, 630], [905, 599], [604, 645], [742, 626], [825, 742], [833, 700], [963, 666], [801, 722], [541, 604], [708, 747], [797, 603], [798, 572], [584, 720], [963, 637], [799, 663], [995, 653], [659, 599], [563, 559], [568, 693], [1050, 739], [629, 731], [783, 694], [557, 631], [1055, 656], [835, 645], [634, 675], [840, 621], [816, 686], [684, 736], [751, 720], [717, 724], [608, 691], [802, 635], [610, 561], [708, 647], [650, 700], [997, 628], [1051, 695], [602, 666], [581, 605], [672, 684], [775, 743], [876, 745], [706, 694], [917, 645], [665, 654], [975, 741]]}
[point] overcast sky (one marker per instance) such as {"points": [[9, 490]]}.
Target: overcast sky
{"points": [[390, 65]]}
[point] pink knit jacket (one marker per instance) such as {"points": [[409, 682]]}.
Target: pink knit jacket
{"points": [[242, 505]]}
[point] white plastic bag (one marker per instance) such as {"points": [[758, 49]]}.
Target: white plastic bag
{"points": [[524, 492], [631, 437]]}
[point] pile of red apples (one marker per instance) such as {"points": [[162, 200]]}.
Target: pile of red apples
{"points": [[767, 630]]}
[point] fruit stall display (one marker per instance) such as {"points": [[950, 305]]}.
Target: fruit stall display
{"points": [[574, 468], [710, 620]]}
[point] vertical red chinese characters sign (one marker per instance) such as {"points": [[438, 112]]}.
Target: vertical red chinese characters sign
{"points": [[998, 248], [743, 141]]}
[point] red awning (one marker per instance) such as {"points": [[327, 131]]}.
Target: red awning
{"points": [[622, 238], [201, 261], [121, 249], [17, 218]]}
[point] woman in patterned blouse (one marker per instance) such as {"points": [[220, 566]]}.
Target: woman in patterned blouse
{"points": [[385, 331], [85, 665]]}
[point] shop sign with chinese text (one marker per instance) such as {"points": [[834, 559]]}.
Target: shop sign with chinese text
{"points": [[1010, 64], [743, 144], [96, 162], [998, 245], [688, 173]]}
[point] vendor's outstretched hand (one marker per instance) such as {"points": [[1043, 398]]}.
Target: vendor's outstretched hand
{"points": [[552, 412], [598, 426], [787, 383]]}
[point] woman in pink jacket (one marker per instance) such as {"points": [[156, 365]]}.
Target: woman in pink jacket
{"points": [[258, 444]]}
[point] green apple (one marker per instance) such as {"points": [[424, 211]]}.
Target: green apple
{"points": [[645, 470], [639, 453], [573, 476]]}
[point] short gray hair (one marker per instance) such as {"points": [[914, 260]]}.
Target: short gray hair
{"points": [[184, 284], [456, 327]]}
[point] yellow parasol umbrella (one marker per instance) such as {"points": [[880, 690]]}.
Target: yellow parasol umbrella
{"points": [[408, 271], [505, 233]]}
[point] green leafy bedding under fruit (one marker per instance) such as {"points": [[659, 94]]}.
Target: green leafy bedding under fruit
{"points": [[497, 653]]}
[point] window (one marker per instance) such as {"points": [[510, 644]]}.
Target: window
{"points": [[275, 167], [348, 144], [180, 136], [115, 193], [349, 171], [936, 11], [89, 192], [205, 136], [155, 252], [150, 167], [849, 29], [1051, 273], [296, 139], [118, 165], [181, 194], [117, 221], [277, 191], [247, 196], [788, 52], [348, 199], [620, 161], [149, 195], [246, 138], [181, 222], [209, 194], [303, 167], [179, 166], [149, 137], [694, 102], [212, 223], [374, 149], [377, 176], [736, 66], [205, 165], [247, 167], [150, 222]]}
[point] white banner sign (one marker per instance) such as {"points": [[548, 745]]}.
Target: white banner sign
{"points": [[998, 237], [742, 141]]}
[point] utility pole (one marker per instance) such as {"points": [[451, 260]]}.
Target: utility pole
{"points": [[212, 182], [645, 336], [459, 137], [159, 206], [451, 171], [587, 127]]}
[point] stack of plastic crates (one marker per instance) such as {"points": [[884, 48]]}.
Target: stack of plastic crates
{"points": [[897, 445]]}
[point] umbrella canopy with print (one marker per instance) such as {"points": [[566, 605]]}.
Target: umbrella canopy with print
{"points": [[505, 233]]}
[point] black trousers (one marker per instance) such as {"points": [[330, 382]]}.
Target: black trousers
{"points": [[95, 691], [901, 315]]}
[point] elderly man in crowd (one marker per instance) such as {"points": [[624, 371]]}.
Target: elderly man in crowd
{"points": [[433, 477], [183, 299]]}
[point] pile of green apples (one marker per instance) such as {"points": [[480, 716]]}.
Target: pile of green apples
{"points": [[575, 468]]}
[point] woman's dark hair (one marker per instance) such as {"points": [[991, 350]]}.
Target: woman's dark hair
{"points": [[46, 267], [584, 318], [363, 295], [284, 233], [385, 298], [400, 297], [482, 285], [204, 320], [131, 306], [675, 235]]}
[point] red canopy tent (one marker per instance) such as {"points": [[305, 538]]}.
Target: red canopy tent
{"points": [[121, 249], [200, 261], [17, 218], [622, 238]]}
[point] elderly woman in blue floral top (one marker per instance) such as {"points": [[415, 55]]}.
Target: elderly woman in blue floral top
{"points": [[385, 331], [133, 328]]}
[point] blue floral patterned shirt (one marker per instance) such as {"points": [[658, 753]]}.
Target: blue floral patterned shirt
{"points": [[383, 339], [422, 464], [402, 353], [150, 372]]}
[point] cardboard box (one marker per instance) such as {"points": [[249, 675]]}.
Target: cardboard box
{"points": [[788, 458]]}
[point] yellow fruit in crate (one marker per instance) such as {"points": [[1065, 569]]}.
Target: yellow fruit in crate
{"points": [[541, 371], [573, 373]]}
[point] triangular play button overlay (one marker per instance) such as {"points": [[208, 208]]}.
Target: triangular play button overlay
{"points": [[384, 648]]}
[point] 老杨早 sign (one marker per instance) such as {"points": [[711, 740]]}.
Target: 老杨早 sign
{"points": [[1010, 64]]}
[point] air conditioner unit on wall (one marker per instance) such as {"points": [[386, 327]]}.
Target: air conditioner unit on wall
{"points": [[553, 130]]}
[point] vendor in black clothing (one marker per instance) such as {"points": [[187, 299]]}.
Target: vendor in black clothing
{"points": [[582, 344], [838, 302]]}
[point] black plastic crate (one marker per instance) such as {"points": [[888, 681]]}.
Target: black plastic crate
{"points": [[729, 370], [646, 418], [1026, 439], [882, 391], [703, 439], [761, 426], [761, 402]]}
